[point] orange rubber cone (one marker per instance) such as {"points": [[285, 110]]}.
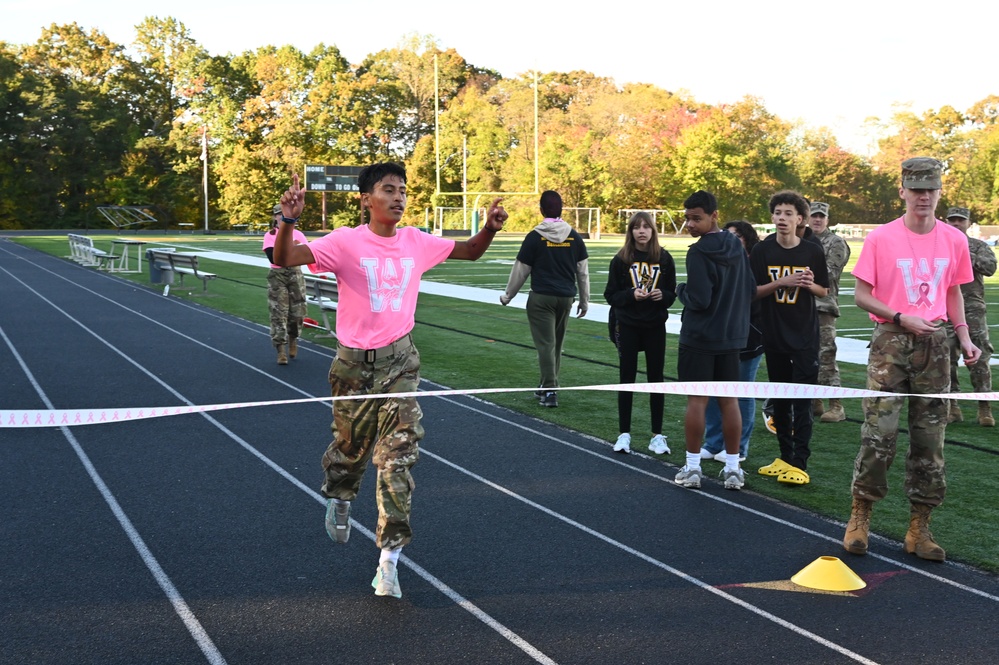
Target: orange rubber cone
{"points": [[827, 573]]}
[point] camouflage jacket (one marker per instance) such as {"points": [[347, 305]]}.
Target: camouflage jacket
{"points": [[837, 253], [983, 263]]}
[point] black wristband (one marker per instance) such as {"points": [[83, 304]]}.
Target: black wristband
{"points": [[897, 319], [485, 227], [289, 220]]}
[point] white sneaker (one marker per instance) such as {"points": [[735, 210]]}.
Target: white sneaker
{"points": [[734, 479], [707, 454], [689, 477], [386, 582], [720, 457], [623, 444], [658, 445]]}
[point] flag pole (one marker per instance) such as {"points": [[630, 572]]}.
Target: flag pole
{"points": [[204, 159]]}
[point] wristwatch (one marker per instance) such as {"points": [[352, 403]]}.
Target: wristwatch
{"points": [[897, 319]]}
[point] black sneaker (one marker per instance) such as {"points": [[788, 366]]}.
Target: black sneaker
{"points": [[549, 399]]}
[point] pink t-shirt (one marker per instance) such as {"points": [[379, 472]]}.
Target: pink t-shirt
{"points": [[378, 280], [297, 237], [911, 273]]}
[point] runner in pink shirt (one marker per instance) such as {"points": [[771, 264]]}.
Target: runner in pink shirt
{"points": [[378, 267], [909, 278]]}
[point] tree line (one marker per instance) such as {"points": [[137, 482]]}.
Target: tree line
{"points": [[86, 122]]}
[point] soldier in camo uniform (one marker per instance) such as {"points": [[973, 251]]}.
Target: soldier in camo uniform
{"points": [[285, 296], [837, 253], [378, 266], [908, 278], [983, 263]]}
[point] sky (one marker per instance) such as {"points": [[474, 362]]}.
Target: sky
{"points": [[829, 65]]}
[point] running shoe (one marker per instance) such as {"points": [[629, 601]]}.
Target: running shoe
{"points": [[338, 520], [386, 582], [623, 444], [658, 445], [689, 477], [734, 478]]}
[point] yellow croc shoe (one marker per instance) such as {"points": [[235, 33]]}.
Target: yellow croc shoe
{"points": [[793, 476], [778, 467]]}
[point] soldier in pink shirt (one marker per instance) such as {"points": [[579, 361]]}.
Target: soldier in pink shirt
{"points": [[909, 278], [378, 266]]}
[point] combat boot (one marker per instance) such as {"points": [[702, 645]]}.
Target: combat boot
{"points": [[919, 540], [859, 527], [835, 414], [282, 355], [985, 418], [817, 408], [292, 347], [955, 415]]}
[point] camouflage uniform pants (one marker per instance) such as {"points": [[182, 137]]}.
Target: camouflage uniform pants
{"points": [[904, 363], [385, 431], [828, 369], [981, 373], [286, 303]]}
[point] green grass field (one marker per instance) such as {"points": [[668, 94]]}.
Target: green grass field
{"points": [[467, 345]]}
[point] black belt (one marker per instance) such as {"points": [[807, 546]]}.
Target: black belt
{"points": [[371, 355]]}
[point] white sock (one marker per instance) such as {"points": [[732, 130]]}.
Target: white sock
{"points": [[390, 555], [731, 461], [694, 460]]}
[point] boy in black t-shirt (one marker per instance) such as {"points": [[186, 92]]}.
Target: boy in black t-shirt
{"points": [[790, 274]]}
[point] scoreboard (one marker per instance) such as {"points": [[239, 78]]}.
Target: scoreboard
{"points": [[319, 178]]}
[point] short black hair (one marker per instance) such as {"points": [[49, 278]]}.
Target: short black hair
{"points": [[706, 201], [787, 196], [371, 174], [551, 204]]}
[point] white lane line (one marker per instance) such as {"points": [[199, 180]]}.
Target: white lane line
{"points": [[728, 502], [180, 606], [657, 563], [477, 612]]}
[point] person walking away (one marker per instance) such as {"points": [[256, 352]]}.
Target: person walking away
{"points": [[554, 257]]}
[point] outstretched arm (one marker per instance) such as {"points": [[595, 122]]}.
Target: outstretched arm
{"points": [[286, 252], [476, 246]]}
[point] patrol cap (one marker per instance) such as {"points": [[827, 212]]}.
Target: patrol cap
{"points": [[958, 212], [819, 208], [922, 173], [277, 210]]}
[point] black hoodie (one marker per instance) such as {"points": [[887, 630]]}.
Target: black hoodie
{"points": [[717, 295]]}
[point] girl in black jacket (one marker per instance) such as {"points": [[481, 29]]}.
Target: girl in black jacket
{"points": [[641, 286]]}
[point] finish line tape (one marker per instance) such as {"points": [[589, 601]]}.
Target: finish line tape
{"points": [[29, 418]]}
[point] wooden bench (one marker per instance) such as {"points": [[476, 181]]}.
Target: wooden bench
{"points": [[82, 250], [178, 263], [323, 293]]}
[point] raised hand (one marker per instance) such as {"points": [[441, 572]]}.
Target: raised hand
{"points": [[293, 199], [496, 216]]}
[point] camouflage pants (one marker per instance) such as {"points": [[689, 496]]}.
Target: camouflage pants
{"points": [[286, 303], [385, 431], [904, 363], [828, 369], [981, 373]]}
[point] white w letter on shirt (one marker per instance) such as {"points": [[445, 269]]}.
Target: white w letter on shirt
{"points": [[385, 285]]}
